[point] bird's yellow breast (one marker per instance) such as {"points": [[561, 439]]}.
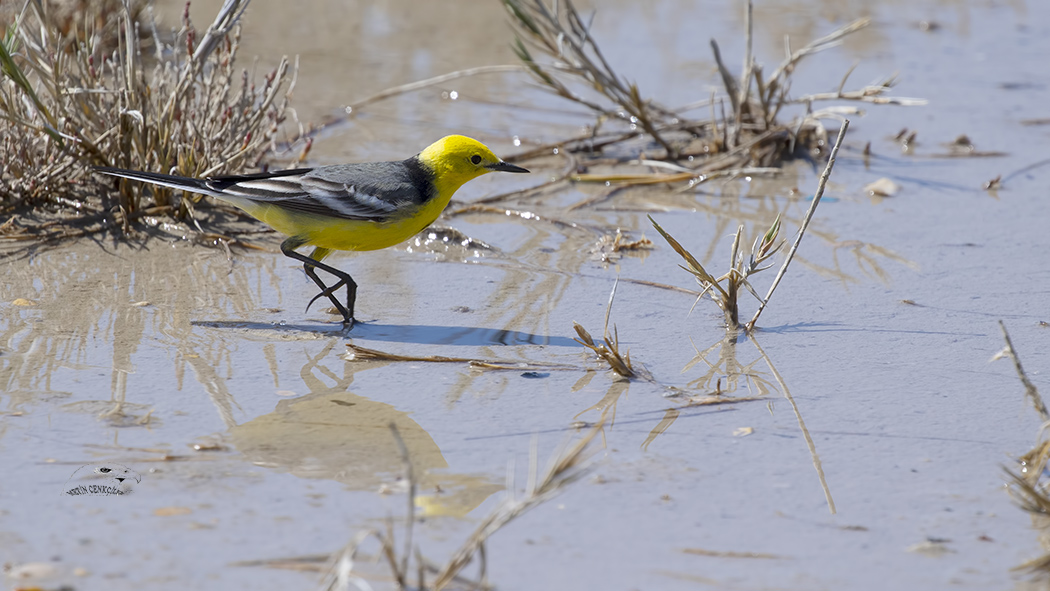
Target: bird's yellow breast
{"points": [[343, 234]]}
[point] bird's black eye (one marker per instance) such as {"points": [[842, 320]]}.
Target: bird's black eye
{"points": [[105, 470], [475, 159]]}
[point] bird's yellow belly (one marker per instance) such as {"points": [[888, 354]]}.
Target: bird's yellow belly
{"points": [[342, 234]]}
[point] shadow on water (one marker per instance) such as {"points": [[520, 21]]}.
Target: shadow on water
{"points": [[402, 333]]}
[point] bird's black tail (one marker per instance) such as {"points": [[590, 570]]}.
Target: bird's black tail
{"points": [[165, 180]]}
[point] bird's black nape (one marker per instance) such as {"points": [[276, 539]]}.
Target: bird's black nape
{"points": [[309, 265]]}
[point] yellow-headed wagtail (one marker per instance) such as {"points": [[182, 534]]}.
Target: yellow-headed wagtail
{"points": [[365, 206]]}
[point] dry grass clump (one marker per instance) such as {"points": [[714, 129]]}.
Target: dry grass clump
{"points": [[751, 134], [83, 94], [764, 248], [609, 350], [1027, 484]]}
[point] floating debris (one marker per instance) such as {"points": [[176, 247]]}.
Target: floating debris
{"points": [[883, 187]]}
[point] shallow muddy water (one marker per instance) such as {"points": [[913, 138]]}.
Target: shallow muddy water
{"points": [[870, 458]]}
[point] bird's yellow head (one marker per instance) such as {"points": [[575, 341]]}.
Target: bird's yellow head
{"points": [[456, 159]]}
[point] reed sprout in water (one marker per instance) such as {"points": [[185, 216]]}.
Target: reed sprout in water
{"points": [[609, 350], [727, 296]]}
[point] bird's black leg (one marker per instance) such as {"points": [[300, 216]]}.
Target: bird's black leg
{"points": [[310, 264], [326, 291], [351, 293]]}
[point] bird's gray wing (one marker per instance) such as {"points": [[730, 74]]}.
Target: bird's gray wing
{"points": [[368, 191]]}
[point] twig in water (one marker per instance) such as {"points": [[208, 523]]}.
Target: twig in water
{"points": [[414, 86], [805, 224], [410, 518], [358, 353], [1030, 390]]}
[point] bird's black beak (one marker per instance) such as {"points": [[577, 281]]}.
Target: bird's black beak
{"points": [[502, 166]]}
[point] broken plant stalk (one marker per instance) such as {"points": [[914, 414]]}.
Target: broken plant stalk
{"points": [[805, 224]]}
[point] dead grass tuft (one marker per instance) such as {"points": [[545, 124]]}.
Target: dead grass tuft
{"points": [[1026, 484], [609, 350], [83, 94], [740, 270], [556, 46]]}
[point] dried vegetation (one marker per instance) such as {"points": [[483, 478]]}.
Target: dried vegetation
{"points": [[556, 45], [647, 143], [1028, 482], [740, 270], [104, 87]]}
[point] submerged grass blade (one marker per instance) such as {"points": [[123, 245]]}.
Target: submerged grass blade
{"points": [[694, 265]]}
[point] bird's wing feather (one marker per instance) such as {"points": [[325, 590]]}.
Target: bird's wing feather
{"points": [[372, 191]]}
